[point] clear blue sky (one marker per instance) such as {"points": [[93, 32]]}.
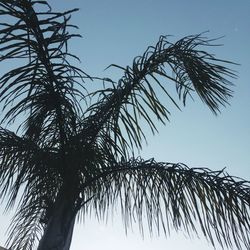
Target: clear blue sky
{"points": [[116, 31]]}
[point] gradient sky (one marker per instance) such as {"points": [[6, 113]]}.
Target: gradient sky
{"points": [[116, 31]]}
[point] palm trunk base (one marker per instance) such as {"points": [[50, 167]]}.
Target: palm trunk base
{"points": [[59, 231]]}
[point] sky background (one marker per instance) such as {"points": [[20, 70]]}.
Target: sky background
{"points": [[116, 31]]}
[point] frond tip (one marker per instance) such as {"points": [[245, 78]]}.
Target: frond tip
{"points": [[176, 196]]}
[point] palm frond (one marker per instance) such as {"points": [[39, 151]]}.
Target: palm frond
{"points": [[47, 80], [32, 176], [23, 162], [137, 94], [26, 228], [174, 196]]}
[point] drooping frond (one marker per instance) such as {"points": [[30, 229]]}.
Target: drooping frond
{"points": [[23, 162], [173, 196], [138, 93], [32, 176], [26, 228]]}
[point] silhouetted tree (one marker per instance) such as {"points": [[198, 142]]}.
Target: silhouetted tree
{"points": [[73, 151]]}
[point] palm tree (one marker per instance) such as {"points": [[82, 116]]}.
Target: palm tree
{"points": [[73, 152]]}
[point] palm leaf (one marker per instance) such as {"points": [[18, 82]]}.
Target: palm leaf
{"points": [[41, 38], [31, 170], [174, 196], [137, 93]]}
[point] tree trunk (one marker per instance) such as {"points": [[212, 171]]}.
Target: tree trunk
{"points": [[59, 230]]}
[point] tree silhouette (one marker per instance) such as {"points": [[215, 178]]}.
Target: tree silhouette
{"points": [[73, 152]]}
